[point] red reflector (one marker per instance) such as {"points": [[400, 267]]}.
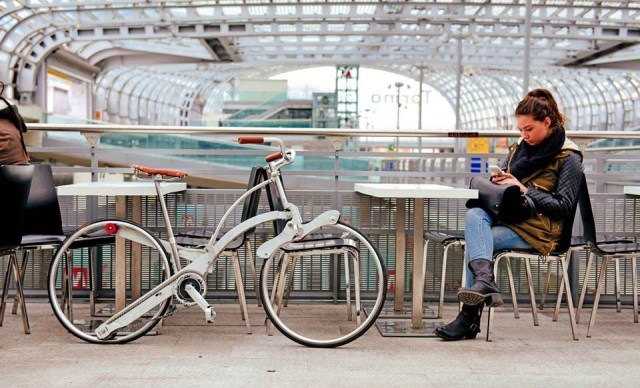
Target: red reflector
{"points": [[111, 228]]}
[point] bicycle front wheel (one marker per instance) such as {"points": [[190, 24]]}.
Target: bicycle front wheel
{"points": [[330, 257], [82, 282]]}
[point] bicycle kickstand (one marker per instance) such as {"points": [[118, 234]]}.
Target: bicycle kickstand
{"points": [[209, 313]]}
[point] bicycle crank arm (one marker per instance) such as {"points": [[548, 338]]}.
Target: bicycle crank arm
{"points": [[133, 311], [209, 313]]}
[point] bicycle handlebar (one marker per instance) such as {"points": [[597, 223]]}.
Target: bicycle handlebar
{"points": [[283, 154]]}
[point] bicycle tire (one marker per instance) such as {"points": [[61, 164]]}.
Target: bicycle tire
{"points": [[68, 298], [294, 325]]}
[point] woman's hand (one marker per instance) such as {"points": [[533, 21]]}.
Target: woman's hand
{"points": [[507, 179]]}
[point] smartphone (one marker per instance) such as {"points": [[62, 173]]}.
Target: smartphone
{"points": [[493, 169]]}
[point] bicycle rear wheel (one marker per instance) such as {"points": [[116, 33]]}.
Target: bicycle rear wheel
{"points": [[82, 278], [311, 264]]}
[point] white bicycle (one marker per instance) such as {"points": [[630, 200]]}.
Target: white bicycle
{"points": [[170, 288]]}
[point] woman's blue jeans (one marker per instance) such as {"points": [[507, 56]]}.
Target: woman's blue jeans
{"points": [[482, 239]]}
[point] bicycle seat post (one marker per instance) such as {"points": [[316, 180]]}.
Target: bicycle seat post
{"points": [[158, 175], [165, 214]]}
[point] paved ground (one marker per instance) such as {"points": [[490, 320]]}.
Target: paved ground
{"points": [[191, 353]]}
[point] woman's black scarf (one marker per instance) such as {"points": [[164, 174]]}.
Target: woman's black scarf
{"points": [[528, 159]]}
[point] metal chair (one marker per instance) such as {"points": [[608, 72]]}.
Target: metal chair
{"points": [[15, 182], [615, 252], [310, 245], [562, 253], [447, 240], [42, 229], [200, 237]]}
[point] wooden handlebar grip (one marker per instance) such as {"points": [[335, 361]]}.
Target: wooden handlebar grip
{"points": [[250, 140], [274, 156]]}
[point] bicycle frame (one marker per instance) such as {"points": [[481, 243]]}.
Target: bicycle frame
{"points": [[203, 260]]}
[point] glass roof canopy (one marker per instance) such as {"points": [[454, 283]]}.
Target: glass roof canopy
{"points": [[486, 37]]}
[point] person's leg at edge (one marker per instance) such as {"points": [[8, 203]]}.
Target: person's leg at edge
{"points": [[481, 240], [478, 246]]}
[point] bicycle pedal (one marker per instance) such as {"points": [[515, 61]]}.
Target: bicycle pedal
{"points": [[209, 314]]}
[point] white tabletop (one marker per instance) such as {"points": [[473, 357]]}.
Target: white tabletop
{"points": [[120, 188], [408, 190], [632, 190]]}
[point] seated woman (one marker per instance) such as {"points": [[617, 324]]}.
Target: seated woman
{"points": [[548, 168]]}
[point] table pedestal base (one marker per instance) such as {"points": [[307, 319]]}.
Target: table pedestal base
{"points": [[392, 323], [403, 328]]}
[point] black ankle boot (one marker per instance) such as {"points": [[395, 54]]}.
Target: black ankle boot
{"points": [[484, 288], [466, 325]]}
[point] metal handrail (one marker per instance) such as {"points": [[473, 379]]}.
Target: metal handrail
{"points": [[341, 132]]}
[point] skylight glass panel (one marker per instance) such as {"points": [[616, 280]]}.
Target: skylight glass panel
{"points": [[311, 9], [339, 9], [179, 12], [311, 28], [285, 10], [286, 28], [366, 9], [262, 28], [259, 10], [232, 11], [206, 11], [360, 27]]}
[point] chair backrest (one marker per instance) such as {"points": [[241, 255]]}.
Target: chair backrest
{"points": [[567, 229], [276, 203], [15, 182], [586, 214], [250, 207], [42, 215]]}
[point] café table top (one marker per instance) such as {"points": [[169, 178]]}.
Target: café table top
{"points": [[410, 190], [632, 190], [120, 188]]}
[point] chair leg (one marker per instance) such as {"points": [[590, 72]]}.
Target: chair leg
{"points": [[556, 310], [565, 281], [5, 289], [514, 298], [347, 284], [92, 281], [69, 299], [617, 286], [532, 295], [442, 278], [545, 285], [289, 283], [23, 271], [634, 277], [490, 315], [491, 310], [15, 268], [463, 279], [282, 283], [356, 281], [240, 287], [279, 285], [583, 289], [271, 296], [254, 273], [20, 291], [596, 300]]}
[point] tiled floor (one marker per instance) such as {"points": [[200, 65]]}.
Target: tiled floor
{"points": [[192, 353]]}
